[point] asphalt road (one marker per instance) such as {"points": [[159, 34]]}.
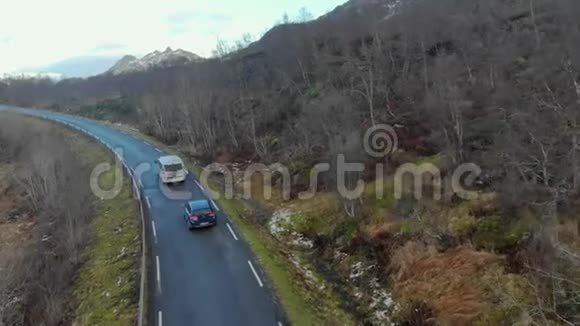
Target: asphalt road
{"points": [[201, 277]]}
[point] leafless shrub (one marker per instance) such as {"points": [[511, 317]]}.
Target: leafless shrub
{"points": [[34, 289]]}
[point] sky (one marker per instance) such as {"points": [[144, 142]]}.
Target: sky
{"points": [[37, 33]]}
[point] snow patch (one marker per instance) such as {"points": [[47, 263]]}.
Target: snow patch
{"points": [[379, 300], [299, 240], [279, 220]]}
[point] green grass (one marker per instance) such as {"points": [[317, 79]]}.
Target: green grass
{"points": [[105, 291]]}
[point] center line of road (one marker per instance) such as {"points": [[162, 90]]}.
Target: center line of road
{"points": [[158, 273], [232, 231], [154, 230], [148, 202], [256, 274], [160, 318]]}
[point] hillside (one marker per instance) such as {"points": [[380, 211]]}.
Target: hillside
{"points": [[59, 244], [490, 84]]}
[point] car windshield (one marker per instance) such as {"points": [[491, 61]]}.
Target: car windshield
{"points": [[173, 167], [203, 211]]}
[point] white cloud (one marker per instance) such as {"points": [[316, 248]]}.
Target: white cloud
{"points": [[35, 33]]}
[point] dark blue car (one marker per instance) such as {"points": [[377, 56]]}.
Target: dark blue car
{"points": [[199, 214]]}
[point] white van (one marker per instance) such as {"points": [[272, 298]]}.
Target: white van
{"points": [[171, 169]]}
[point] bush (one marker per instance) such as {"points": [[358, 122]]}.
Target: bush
{"points": [[62, 212], [496, 233], [406, 205], [410, 228], [413, 313], [312, 226], [462, 225], [508, 292], [111, 109], [448, 282]]}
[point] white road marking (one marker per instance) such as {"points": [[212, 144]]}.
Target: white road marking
{"points": [[158, 273], [154, 230], [199, 185], [140, 183], [148, 202], [280, 324], [160, 318], [232, 231], [255, 274], [215, 206], [137, 192], [157, 149]]}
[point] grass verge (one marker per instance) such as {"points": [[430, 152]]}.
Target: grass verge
{"points": [[105, 291]]}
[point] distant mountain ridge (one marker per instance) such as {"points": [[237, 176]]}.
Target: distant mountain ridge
{"points": [[381, 9], [167, 58], [7, 78]]}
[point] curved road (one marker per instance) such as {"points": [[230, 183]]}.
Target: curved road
{"points": [[206, 277]]}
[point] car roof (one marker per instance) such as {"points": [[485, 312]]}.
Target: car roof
{"points": [[170, 159], [199, 204]]}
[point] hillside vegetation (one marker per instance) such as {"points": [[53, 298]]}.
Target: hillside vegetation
{"points": [[490, 82], [66, 257]]}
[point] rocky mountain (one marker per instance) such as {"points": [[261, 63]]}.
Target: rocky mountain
{"points": [[167, 58]]}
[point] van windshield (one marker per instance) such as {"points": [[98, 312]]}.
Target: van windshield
{"points": [[173, 167]]}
